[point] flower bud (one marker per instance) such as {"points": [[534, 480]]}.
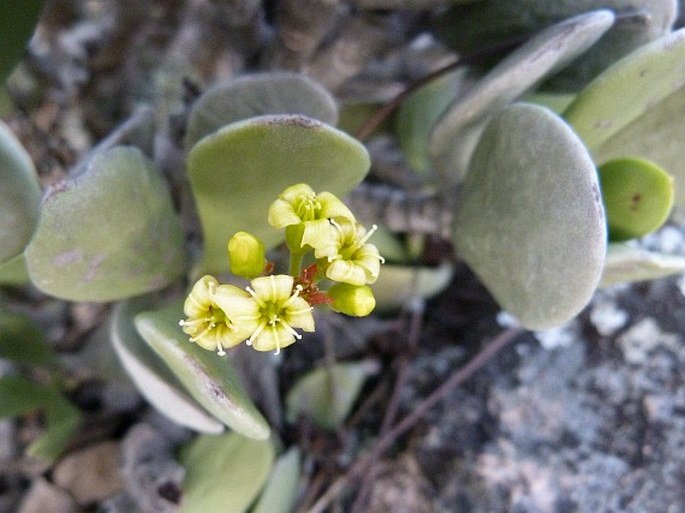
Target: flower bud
{"points": [[357, 301], [246, 255]]}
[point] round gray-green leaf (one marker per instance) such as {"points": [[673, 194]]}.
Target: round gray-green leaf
{"points": [[225, 473], [107, 234], [19, 196], [211, 380], [237, 172], [530, 221], [257, 95], [153, 379], [628, 90], [456, 132]]}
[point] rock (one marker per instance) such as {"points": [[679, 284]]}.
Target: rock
{"points": [[43, 497], [153, 477], [91, 474], [595, 425]]}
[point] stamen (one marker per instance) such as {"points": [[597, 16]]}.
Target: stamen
{"points": [[365, 238], [296, 293], [196, 302], [256, 333], [278, 344], [291, 330], [254, 296], [204, 332], [336, 225]]}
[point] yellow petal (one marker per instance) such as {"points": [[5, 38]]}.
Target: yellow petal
{"points": [[318, 234], [331, 206], [281, 214], [275, 288], [199, 299], [273, 338], [299, 315], [346, 271], [295, 192]]}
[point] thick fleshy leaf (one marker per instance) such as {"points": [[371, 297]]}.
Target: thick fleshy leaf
{"points": [[14, 272], [456, 133], [628, 90], [280, 491], [493, 22], [19, 396], [19, 196], [153, 379], [417, 116], [398, 284], [637, 195], [257, 95], [18, 20], [530, 221], [62, 421], [326, 395], [625, 263], [237, 172], [23, 342], [211, 380], [225, 473], [657, 135], [108, 233]]}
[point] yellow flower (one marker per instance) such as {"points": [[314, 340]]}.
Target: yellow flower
{"points": [[348, 258], [305, 215], [206, 322], [270, 312]]}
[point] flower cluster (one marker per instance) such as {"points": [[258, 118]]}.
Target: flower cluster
{"points": [[267, 314]]}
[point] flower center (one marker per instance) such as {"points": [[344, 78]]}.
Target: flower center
{"points": [[201, 326], [307, 207]]}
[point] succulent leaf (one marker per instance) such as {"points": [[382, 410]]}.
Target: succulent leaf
{"points": [[530, 220], [19, 196], [210, 380], [225, 473], [107, 234], [265, 154]]}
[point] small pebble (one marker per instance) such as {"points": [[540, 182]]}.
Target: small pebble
{"points": [[44, 497], [91, 474]]}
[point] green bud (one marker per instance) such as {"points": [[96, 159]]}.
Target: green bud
{"points": [[246, 255], [357, 301]]}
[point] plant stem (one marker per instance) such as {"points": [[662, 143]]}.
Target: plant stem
{"points": [[295, 263]]}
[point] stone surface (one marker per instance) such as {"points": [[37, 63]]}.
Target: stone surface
{"points": [[90, 474], [44, 497], [594, 425]]}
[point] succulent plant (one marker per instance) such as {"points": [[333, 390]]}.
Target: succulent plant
{"points": [[529, 213]]}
